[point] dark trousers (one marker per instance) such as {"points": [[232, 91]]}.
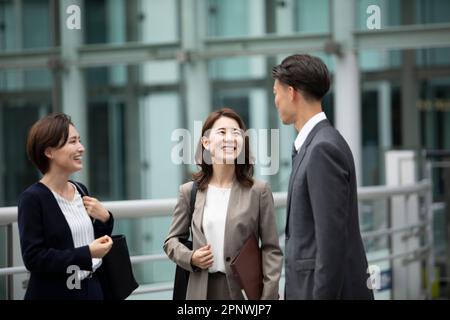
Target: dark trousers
{"points": [[91, 288], [218, 287]]}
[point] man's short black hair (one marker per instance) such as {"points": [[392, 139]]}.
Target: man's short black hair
{"points": [[305, 73]]}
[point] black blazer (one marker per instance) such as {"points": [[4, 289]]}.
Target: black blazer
{"points": [[324, 252], [47, 245]]}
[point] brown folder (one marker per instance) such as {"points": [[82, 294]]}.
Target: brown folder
{"points": [[247, 267]]}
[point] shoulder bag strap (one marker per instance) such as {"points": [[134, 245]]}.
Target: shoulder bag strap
{"points": [[83, 194], [192, 203], [80, 189]]}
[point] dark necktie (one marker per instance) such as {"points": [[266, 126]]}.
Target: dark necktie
{"points": [[294, 152]]}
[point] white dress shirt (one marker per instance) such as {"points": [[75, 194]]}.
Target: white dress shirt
{"points": [[80, 225], [307, 128]]}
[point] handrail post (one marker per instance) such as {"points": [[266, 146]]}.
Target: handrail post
{"points": [[430, 234], [9, 261]]}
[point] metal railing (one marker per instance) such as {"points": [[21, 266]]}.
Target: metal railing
{"points": [[164, 207]]}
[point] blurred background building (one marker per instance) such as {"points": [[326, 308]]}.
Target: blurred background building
{"points": [[139, 69]]}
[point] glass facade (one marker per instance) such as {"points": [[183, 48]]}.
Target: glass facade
{"points": [[133, 106]]}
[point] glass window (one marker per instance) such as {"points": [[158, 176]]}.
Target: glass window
{"points": [[235, 18], [230, 68], [119, 21], [97, 22], [434, 106], [432, 11], [106, 154], [433, 57], [135, 106], [17, 120], [161, 72], [158, 21], [160, 115], [36, 24], [229, 18], [14, 80], [398, 12], [34, 30], [312, 16]]}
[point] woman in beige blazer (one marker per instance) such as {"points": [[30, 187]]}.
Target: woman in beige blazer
{"points": [[230, 205]]}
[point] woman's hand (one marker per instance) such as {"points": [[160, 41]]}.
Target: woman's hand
{"points": [[203, 257], [100, 247], [95, 209]]}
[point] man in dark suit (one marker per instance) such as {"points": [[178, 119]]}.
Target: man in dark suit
{"points": [[324, 253]]}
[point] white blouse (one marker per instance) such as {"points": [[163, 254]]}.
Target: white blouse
{"points": [[80, 225], [214, 218]]}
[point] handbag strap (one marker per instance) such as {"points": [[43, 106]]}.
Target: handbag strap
{"points": [[83, 194], [192, 204], [80, 189]]}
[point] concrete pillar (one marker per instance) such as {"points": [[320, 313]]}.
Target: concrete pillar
{"points": [[132, 139], [347, 103], [257, 14], [116, 34], [384, 115], [132, 134], [348, 106], [197, 101], [259, 115], [74, 102], [384, 124], [409, 88], [258, 107], [284, 19], [409, 96]]}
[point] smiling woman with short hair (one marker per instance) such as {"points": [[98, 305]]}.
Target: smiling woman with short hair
{"points": [[61, 231]]}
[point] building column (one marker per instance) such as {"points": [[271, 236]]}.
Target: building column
{"points": [[384, 124], [409, 95], [347, 103], [194, 73], [284, 17], [116, 31], [55, 68], [131, 114], [284, 24], [116, 34], [409, 90], [74, 102], [260, 144]]}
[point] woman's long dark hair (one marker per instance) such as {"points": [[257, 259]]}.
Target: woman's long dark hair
{"points": [[243, 171]]}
